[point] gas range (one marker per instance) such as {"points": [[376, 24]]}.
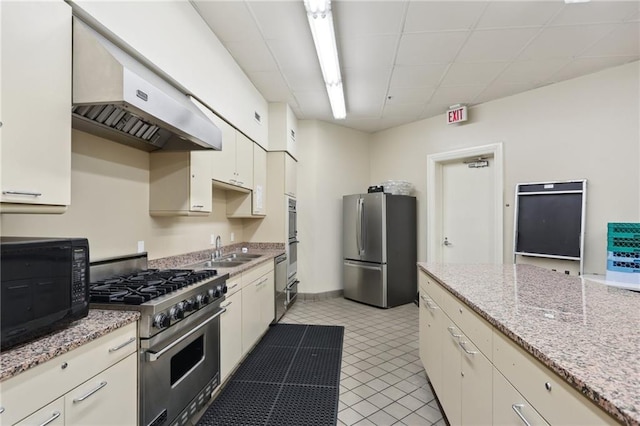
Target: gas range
{"points": [[164, 297]]}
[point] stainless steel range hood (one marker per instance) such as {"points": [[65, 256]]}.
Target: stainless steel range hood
{"points": [[118, 98]]}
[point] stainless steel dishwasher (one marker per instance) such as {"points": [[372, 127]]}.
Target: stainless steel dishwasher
{"points": [[281, 285]]}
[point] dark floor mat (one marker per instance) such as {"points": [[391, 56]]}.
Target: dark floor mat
{"points": [[291, 378]]}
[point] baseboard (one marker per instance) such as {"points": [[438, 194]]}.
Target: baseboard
{"points": [[314, 297]]}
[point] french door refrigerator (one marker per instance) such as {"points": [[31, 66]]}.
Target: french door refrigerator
{"points": [[380, 249]]}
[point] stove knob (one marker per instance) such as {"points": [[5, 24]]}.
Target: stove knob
{"points": [[161, 321], [176, 312], [202, 299], [189, 305], [224, 288], [212, 293], [217, 292], [197, 303]]}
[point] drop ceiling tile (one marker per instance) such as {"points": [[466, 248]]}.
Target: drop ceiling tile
{"points": [[529, 72], [447, 96], [504, 14], [434, 111], [495, 45], [596, 12], [583, 66], [429, 48], [357, 18], [460, 74], [623, 41], [280, 20], [271, 85], [441, 15], [556, 42], [302, 79], [314, 103], [295, 54], [367, 78], [421, 76], [411, 111], [229, 20], [367, 51], [499, 90], [408, 95], [252, 55]]}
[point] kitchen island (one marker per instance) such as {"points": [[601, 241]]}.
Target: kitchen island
{"points": [[586, 333]]}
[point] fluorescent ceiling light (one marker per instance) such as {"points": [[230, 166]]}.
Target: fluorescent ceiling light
{"points": [[576, 1], [321, 23]]}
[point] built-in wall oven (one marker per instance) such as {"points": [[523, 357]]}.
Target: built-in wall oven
{"points": [[292, 239]]}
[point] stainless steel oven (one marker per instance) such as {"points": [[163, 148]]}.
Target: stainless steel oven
{"points": [[292, 249], [180, 370]]}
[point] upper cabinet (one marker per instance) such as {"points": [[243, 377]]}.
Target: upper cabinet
{"points": [[35, 107], [193, 58], [283, 127], [254, 204], [233, 165], [282, 171], [180, 183], [290, 176]]}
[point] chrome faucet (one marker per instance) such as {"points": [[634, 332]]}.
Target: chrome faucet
{"points": [[217, 253]]}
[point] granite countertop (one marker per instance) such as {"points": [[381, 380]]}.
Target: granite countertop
{"points": [[268, 251], [95, 325], [586, 332]]}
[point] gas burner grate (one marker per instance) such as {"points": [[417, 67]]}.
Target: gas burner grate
{"points": [[142, 286]]}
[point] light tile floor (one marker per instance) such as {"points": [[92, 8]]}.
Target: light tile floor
{"points": [[382, 380]]}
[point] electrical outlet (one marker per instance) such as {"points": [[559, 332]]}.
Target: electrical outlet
{"points": [[233, 237], [140, 246], [213, 239]]}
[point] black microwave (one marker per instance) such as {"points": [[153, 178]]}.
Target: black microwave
{"points": [[44, 285]]}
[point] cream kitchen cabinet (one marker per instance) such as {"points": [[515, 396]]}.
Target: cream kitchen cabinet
{"points": [[180, 183], [35, 111], [283, 127], [230, 332], [282, 172], [254, 204], [93, 384], [258, 308], [484, 377], [233, 165]]}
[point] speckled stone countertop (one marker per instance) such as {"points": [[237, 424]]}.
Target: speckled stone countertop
{"points": [[586, 332], [267, 250], [95, 325]]}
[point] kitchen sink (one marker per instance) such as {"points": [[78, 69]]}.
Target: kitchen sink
{"points": [[220, 263], [240, 256]]}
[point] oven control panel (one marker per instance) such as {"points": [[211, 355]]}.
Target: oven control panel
{"points": [[189, 305]]}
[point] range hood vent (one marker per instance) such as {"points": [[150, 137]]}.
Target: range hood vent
{"points": [[118, 98]]}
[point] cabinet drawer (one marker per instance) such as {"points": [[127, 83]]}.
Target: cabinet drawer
{"points": [[257, 272], [429, 286], [109, 398], [51, 415], [552, 397], [510, 407], [234, 284], [46, 382]]}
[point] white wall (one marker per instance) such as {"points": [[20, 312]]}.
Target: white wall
{"points": [[110, 206], [332, 161], [587, 127]]}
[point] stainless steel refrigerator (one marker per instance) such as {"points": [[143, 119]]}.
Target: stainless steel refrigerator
{"points": [[380, 249]]}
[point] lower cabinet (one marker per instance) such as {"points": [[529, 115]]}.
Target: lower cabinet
{"points": [[257, 309], [110, 398], [230, 334], [510, 407], [481, 377], [95, 384]]}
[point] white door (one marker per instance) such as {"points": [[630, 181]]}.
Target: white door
{"points": [[468, 213]]}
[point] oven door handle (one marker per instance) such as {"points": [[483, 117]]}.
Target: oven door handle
{"points": [[154, 356]]}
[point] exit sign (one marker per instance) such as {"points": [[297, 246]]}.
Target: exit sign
{"points": [[457, 114]]}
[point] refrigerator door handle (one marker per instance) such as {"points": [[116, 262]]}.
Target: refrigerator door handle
{"points": [[359, 225], [363, 230], [359, 265]]}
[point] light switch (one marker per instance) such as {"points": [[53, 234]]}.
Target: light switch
{"points": [[140, 246]]}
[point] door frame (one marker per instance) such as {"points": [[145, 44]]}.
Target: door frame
{"points": [[434, 196]]}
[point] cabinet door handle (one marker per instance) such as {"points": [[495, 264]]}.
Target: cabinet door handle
{"points": [[239, 182], [262, 281], [518, 409], [1, 410], [226, 305], [122, 345], [91, 392], [233, 286], [233, 181], [451, 328], [197, 206], [54, 416], [428, 303], [464, 348], [29, 193]]}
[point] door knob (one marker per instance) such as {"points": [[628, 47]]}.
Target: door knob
{"points": [[446, 242]]}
